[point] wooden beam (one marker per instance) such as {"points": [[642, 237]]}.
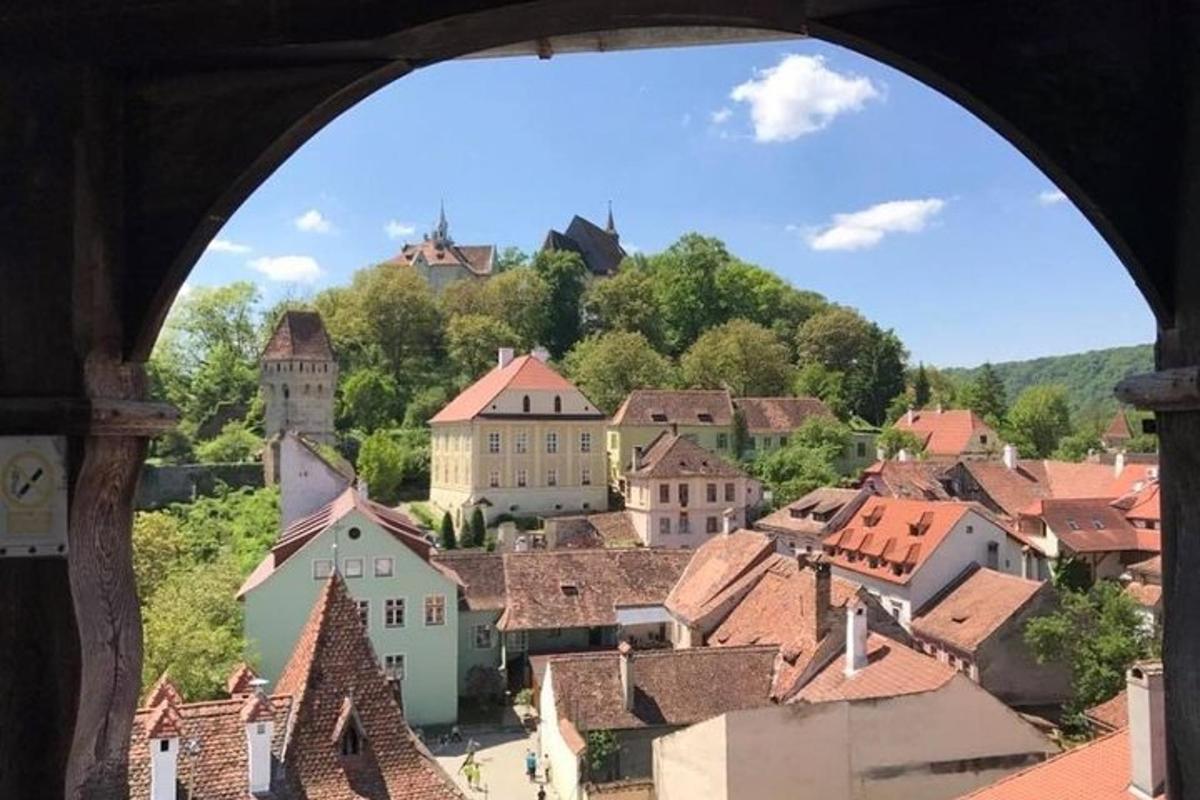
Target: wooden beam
{"points": [[85, 417], [1175, 389]]}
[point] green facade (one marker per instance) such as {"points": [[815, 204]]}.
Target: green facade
{"points": [[471, 653], [277, 609]]}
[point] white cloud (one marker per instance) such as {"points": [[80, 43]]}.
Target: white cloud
{"points": [[721, 116], [299, 269], [395, 229], [313, 221], [1051, 197], [859, 230], [227, 246], [800, 95]]}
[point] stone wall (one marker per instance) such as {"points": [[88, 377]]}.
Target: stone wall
{"points": [[180, 483]]}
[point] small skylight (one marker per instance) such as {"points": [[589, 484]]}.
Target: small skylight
{"points": [[705, 417], [658, 416], [960, 618], [569, 588]]}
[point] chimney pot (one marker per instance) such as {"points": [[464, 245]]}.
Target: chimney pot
{"points": [[1119, 463], [1010, 456], [911, 415], [625, 664], [1147, 730], [902, 455], [504, 356], [856, 636], [727, 521]]}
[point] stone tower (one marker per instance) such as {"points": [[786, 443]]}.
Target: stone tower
{"points": [[298, 377]]}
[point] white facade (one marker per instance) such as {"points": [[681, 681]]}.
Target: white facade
{"points": [[306, 481], [687, 512]]}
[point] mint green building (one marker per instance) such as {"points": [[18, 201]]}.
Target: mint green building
{"points": [[408, 600]]}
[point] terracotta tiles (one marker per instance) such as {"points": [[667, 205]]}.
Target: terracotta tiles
{"points": [[482, 575], [699, 407], [1094, 526], [780, 414], [581, 588], [300, 336], [811, 514], [671, 456], [892, 669], [1110, 715], [715, 572], [913, 480], [523, 372], [946, 433], [975, 607]]}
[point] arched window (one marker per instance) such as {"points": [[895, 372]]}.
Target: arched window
{"points": [[525, 404], [557, 404], [286, 393], [320, 390]]}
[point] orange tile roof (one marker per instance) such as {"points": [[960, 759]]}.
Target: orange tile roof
{"points": [[1118, 429], [975, 607], [893, 534], [892, 669], [164, 690], [804, 516], [1145, 594], [241, 681], [945, 433], [700, 407], [669, 455], [1094, 526], [716, 573], [1111, 714], [1143, 505], [1015, 490], [299, 335], [1098, 770], [523, 372]]}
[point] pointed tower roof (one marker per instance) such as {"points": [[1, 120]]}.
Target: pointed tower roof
{"points": [[164, 690], [610, 227], [163, 723], [333, 660], [1118, 429], [299, 335]]}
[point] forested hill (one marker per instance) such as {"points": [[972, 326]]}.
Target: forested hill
{"points": [[1089, 377]]}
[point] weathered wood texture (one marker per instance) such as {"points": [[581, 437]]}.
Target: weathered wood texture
{"points": [[1167, 390]]}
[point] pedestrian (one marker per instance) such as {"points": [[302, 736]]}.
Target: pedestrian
{"points": [[531, 765], [546, 762], [541, 793]]}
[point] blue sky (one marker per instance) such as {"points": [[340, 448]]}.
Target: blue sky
{"points": [[836, 172]]}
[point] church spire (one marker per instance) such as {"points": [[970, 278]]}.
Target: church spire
{"points": [[611, 227], [441, 234]]}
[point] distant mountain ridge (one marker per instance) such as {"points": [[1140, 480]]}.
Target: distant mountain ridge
{"points": [[1089, 377]]}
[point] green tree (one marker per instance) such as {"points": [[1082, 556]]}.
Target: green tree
{"points": [[837, 338], [878, 378], [827, 385], [1039, 418], [424, 404], [520, 297], [746, 291], [1099, 634], [472, 341], [565, 273], [369, 399], [213, 316], [921, 387], [1076, 446], [608, 366], [986, 396], [741, 356], [191, 626], [510, 258], [892, 440], [478, 530], [238, 522], [793, 471], [235, 443], [159, 548], [685, 288], [449, 541], [625, 302], [390, 459]]}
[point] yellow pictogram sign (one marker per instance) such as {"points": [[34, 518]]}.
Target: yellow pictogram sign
{"points": [[28, 481]]}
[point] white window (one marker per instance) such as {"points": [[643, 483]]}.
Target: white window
{"points": [[384, 566], [585, 476], [435, 609], [551, 442], [494, 442], [483, 637], [322, 567], [352, 568], [393, 612], [552, 477], [494, 478], [393, 667], [364, 612], [585, 442], [521, 442], [664, 525], [522, 477]]}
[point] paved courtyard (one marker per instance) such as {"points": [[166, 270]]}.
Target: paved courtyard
{"points": [[501, 759]]}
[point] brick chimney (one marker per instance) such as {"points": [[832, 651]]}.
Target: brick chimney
{"points": [[504, 357], [625, 659], [816, 586], [727, 521], [1119, 463], [903, 455], [856, 636], [162, 735], [258, 717], [1010, 456], [1147, 730]]}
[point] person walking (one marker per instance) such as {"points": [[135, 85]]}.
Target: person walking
{"points": [[541, 793], [531, 765]]}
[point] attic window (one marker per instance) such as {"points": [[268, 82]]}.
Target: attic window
{"points": [[1098, 525], [705, 417], [959, 618], [569, 588], [658, 416], [872, 519], [1073, 525], [351, 741]]}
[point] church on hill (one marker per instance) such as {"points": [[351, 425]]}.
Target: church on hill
{"points": [[441, 261], [600, 248]]}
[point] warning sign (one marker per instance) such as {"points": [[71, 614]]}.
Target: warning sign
{"points": [[33, 496]]}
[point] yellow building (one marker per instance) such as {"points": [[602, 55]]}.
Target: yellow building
{"points": [[522, 440], [703, 416]]}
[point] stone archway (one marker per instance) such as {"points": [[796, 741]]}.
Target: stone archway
{"points": [[143, 126]]}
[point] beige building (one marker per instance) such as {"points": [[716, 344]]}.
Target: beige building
{"points": [[522, 440], [679, 494], [702, 415], [441, 261]]}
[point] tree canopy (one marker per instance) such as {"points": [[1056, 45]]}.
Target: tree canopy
{"points": [[608, 366]]}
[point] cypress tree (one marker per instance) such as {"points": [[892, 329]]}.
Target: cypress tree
{"points": [[449, 541], [921, 389], [478, 534]]}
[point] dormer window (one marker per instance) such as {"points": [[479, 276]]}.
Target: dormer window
{"points": [[557, 404], [525, 404], [703, 417], [1073, 525], [658, 416], [351, 741], [569, 588]]}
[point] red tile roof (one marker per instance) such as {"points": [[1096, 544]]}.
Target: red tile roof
{"points": [[299, 336], [1098, 770], [523, 372], [163, 690], [582, 588], [889, 535], [699, 407], [948, 432], [1015, 490], [303, 530], [720, 571], [1110, 715], [780, 414], [671, 456], [917, 480], [1148, 571], [1145, 594], [892, 669], [1143, 505], [482, 576], [475, 258], [333, 661], [1118, 429], [1094, 526], [975, 607], [811, 514], [672, 687], [241, 681]]}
